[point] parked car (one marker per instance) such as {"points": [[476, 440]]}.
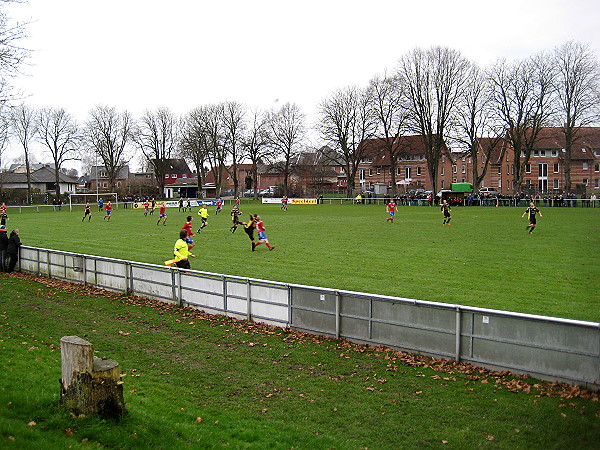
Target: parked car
{"points": [[488, 191]]}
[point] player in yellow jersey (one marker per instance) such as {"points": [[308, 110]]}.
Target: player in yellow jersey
{"points": [[531, 213]]}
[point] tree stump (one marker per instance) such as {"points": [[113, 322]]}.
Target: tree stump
{"points": [[89, 385]]}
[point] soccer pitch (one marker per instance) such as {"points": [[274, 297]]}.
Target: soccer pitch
{"points": [[484, 258]]}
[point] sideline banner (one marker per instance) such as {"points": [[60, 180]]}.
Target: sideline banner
{"points": [[175, 204], [291, 201]]}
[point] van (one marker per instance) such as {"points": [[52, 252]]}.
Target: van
{"points": [[488, 191]]}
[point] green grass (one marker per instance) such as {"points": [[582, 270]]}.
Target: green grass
{"points": [[484, 258], [255, 386]]}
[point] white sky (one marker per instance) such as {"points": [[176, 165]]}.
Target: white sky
{"points": [[142, 54]]}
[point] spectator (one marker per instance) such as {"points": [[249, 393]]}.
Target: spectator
{"points": [[3, 247], [12, 250]]}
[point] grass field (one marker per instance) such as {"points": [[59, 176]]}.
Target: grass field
{"points": [[484, 258], [199, 381]]}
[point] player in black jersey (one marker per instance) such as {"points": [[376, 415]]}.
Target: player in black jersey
{"points": [[446, 210], [531, 212]]}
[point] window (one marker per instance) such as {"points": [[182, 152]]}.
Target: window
{"points": [[407, 173], [342, 169], [555, 167], [583, 150], [173, 175], [554, 153], [443, 158], [585, 166], [361, 174], [596, 167], [463, 168], [398, 170], [597, 183], [379, 171], [542, 152], [499, 183], [499, 170], [483, 159], [370, 172], [443, 184], [442, 172], [528, 183], [454, 168], [597, 152], [390, 184], [536, 153], [527, 168], [166, 175], [555, 184], [419, 171], [464, 179], [390, 170], [585, 181], [508, 169], [118, 184]]}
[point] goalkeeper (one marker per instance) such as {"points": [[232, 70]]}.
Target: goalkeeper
{"points": [[181, 252]]}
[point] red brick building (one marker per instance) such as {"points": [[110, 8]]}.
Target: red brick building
{"points": [[375, 171], [545, 172]]}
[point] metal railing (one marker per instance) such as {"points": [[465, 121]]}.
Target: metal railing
{"points": [[548, 348]]}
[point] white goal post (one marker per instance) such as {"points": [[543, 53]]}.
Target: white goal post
{"points": [[112, 196]]}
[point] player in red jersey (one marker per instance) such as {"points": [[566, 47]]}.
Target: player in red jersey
{"points": [[146, 207], [108, 209], [284, 203], [391, 209], [188, 227], [162, 214], [262, 237], [219, 206]]}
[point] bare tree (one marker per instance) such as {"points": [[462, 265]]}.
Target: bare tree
{"points": [[194, 143], [12, 55], [578, 94], [157, 136], [212, 126], [389, 105], [476, 130], [256, 144], [58, 131], [286, 131], [24, 128], [347, 120], [435, 81], [107, 133], [521, 93], [233, 133]]}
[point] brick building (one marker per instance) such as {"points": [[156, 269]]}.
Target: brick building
{"points": [[545, 172]]}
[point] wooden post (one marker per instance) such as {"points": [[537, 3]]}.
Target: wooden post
{"points": [[89, 385]]}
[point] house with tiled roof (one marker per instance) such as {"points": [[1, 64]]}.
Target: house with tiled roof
{"points": [[43, 180]]}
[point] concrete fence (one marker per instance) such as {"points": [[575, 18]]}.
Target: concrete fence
{"points": [[548, 348]]}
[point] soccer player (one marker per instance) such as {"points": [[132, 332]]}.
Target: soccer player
{"points": [[237, 202], [100, 205], [153, 206], [162, 214], [531, 212], [219, 206], [146, 207], [181, 253], [87, 213], [249, 228], [391, 209], [235, 213], [203, 213], [188, 205], [262, 236], [108, 209], [188, 228], [445, 208], [180, 203], [284, 203]]}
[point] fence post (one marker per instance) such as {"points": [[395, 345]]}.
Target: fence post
{"points": [[458, 333], [249, 299], [290, 306], [173, 285], [179, 288], [337, 314], [130, 278], [84, 266], [224, 293]]}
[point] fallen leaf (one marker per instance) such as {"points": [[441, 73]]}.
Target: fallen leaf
{"points": [[444, 442], [490, 438], [69, 432], [32, 424], [198, 419]]}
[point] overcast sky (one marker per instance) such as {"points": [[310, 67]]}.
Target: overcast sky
{"points": [[142, 54]]}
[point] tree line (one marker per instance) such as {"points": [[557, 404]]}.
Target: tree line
{"points": [[436, 93]]}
